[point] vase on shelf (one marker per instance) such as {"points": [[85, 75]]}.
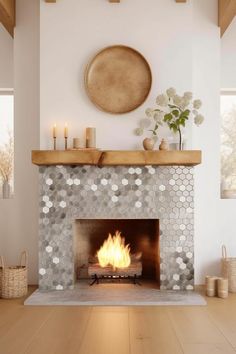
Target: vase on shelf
{"points": [[177, 143], [164, 145], [148, 144], [6, 190]]}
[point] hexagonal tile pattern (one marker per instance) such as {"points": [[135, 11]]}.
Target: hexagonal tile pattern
{"points": [[68, 193]]}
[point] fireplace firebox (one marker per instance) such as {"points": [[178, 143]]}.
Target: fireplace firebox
{"points": [[139, 241]]}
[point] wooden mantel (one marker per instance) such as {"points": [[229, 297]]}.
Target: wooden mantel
{"points": [[116, 158]]}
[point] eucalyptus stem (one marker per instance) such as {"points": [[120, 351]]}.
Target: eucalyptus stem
{"points": [[180, 139]]}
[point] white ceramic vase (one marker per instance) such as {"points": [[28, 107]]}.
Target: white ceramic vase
{"points": [[6, 190]]}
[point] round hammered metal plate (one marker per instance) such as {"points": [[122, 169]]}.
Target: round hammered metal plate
{"points": [[118, 79]]}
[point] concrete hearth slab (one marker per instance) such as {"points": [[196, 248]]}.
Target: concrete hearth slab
{"points": [[111, 294]]}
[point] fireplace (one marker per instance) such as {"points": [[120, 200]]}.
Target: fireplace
{"points": [[138, 238], [86, 199]]}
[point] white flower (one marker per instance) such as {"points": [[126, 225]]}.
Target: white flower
{"points": [[195, 112], [145, 123], [197, 104], [162, 100], [184, 103], [149, 112], [171, 92], [138, 131], [177, 100], [188, 95], [158, 117], [198, 120]]}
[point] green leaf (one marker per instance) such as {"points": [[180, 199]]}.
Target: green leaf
{"points": [[175, 112], [168, 117], [174, 127], [186, 112]]}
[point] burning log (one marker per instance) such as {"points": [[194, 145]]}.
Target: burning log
{"points": [[134, 269], [135, 257]]}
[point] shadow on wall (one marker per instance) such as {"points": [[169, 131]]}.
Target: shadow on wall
{"points": [[212, 268]]}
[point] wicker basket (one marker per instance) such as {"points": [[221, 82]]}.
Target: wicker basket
{"points": [[228, 265], [1, 265], [14, 279]]}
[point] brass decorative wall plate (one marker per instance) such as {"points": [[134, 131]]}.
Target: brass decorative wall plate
{"points": [[118, 79]]}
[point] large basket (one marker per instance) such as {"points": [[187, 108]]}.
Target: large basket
{"points": [[228, 267], [1, 265], [14, 279]]}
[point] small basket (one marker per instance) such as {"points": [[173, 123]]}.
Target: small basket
{"points": [[228, 269], [14, 279], [1, 266]]}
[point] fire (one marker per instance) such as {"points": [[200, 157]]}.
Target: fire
{"points": [[114, 252]]}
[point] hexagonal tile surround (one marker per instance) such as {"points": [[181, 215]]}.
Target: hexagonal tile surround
{"points": [[68, 193]]}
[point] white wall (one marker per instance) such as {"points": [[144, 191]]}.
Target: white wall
{"points": [[206, 80], [19, 216], [6, 59], [73, 31], [228, 57], [182, 44]]}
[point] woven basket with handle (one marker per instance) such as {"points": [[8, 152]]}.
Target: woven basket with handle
{"points": [[228, 267], [14, 279]]}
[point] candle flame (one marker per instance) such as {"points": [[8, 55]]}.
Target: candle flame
{"points": [[54, 130], [66, 130], [114, 252]]}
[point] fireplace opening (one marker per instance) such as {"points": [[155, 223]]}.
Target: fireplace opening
{"points": [[117, 249]]}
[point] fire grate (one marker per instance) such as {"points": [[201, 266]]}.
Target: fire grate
{"points": [[97, 278]]}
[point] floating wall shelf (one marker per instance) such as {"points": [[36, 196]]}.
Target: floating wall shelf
{"points": [[116, 158]]}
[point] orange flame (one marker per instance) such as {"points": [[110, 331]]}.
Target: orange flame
{"points": [[114, 252]]}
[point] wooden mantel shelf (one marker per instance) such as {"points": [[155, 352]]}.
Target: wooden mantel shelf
{"points": [[116, 158]]}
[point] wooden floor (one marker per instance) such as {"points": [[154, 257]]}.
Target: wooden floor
{"points": [[113, 330]]}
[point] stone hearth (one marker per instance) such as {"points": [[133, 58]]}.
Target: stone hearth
{"points": [[68, 193]]}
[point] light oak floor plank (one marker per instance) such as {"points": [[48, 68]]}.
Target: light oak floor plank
{"points": [[118, 330], [197, 332], [63, 332], [22, 329], [151, 332], [107, 332], [223, 314]]}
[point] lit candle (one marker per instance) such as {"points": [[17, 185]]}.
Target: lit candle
{"points": [[54, 131], [66, 131]]}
